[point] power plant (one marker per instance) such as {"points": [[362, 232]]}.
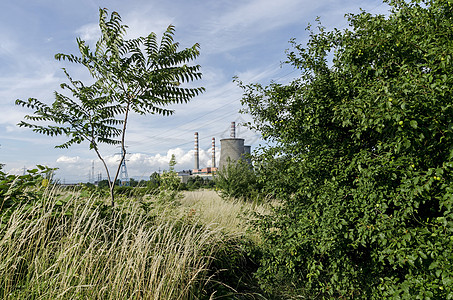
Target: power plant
{"points": [[197, 159], [213, 153], [232, 149], [208, 171]]}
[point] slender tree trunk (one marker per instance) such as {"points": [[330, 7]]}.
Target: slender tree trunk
{"points": [[123, 147], [111, 184]]}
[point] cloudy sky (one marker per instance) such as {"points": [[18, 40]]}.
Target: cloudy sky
{"points": [[238, 38]]}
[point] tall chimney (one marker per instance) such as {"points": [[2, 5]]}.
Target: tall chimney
{"points": [[197, 162], [213, 152], [233, 130]]}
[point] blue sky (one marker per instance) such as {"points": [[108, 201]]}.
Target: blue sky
{"points": [[238, 38]]}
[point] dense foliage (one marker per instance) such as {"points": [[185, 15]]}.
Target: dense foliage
{"points": [[19, 189], [363, 159], [237, 180], [197, 182]]}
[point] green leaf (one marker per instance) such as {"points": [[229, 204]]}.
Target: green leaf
{"points": [[138, 75]]}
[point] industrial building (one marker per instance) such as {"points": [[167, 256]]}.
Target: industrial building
{"points": [[232, 149]]}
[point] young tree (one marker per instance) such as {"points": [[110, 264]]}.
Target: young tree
{"points": [[154, 180], [169, 183], [363, 159], [237, 179], [130, 76], [169, 180]]}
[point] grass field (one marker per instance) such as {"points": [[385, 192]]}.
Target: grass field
{"points": [[72, 246]]}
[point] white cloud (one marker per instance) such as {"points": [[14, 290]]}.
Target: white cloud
{"points": [[10, 129], [68, 160], [40, 86], [14, 115], [140, 23], [16, 171], [89, 32], [245, 23], [143, 22], [274, 13], [244, 38], [143, 164], [259, 74], [8, 46]]}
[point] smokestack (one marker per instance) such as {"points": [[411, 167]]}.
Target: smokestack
{"points": [[213, 152], [197, 162], [233, 130]]}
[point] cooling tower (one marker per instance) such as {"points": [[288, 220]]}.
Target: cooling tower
{"points": [[232, 148], [247, 152]]}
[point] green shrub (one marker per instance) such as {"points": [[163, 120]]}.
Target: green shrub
{"points": [[232, 270], [124, 190], [198, 182], [16, 190], [237, 180], [169, 183], [363, 159]]}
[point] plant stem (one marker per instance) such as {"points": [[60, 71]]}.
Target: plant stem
{"points": [[111, 184], [123, 135]]}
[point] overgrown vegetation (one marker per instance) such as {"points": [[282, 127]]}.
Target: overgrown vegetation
{"points": [[360, 171], [362, 159], [237, 180], [19, 190], [67, 245]]}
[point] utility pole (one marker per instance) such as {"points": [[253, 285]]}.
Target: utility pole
{"points": [[124, 177], [92, 172]]}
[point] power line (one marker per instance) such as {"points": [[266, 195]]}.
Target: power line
{"points": [[230, 102], [213, 111]]}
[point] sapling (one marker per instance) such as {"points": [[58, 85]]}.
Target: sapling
{"points": [[129, 76]]}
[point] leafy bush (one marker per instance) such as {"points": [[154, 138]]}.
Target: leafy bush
{"points": [[198, 182], [169, 182], [362, 159], [15, 189], [154, 181], [236, 180], [232, 271]]}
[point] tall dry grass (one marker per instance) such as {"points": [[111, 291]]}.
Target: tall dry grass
{"points": [[79, 250], [231, 215]]}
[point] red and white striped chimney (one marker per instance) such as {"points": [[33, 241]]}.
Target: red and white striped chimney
{"points": [[197, 161], [213, 152], [233, 130]]}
